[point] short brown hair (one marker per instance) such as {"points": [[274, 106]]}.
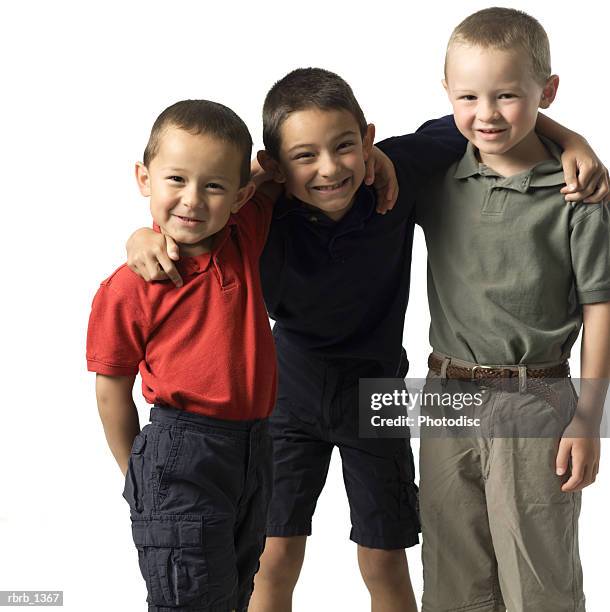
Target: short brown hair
{"points": [[504, 28], [303, 89], [203, 117]]}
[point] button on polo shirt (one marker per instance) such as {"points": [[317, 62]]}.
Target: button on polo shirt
{"points": [[510, 262], [205, 347]]}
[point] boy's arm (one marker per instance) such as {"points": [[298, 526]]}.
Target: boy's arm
{"points": [[118, 414], [584, 451], [434, 147], [381, 173], [586, 177]]}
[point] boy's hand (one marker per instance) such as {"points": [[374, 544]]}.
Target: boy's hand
{"points": [[584, 453], [263, 180], [380, 172], [586, 177], [150, 255]]}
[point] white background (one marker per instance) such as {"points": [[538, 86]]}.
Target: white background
{"points": [[82, 84]]}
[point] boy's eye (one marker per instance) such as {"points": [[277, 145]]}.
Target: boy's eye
{"points": [[176, 179], [214, 186], [468, 98], [303, 155], [507, 96], [346, 145]]}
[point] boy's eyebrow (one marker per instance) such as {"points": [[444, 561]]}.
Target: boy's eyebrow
{"points": [[343, 134], [511, 85], [178, 169]]}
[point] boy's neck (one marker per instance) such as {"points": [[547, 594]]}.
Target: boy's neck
{"points": [[332, 215], [523, 156], [199, 248]]}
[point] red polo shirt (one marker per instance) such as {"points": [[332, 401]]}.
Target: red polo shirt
{"points": [[205, 347]]}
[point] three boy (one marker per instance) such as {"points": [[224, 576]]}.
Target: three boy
{"points": [[328, 249]]}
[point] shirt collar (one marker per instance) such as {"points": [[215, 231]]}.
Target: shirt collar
{"points": [[548, 173], [362, 208]]}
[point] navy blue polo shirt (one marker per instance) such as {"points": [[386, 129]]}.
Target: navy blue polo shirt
{"points": [[340, 288]]}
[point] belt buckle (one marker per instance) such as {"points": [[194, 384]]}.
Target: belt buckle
{"points": [[478, 367]]}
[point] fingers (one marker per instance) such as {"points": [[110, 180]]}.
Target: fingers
{"points": [[570, 173], [382, 203], [590, 174], [576, 477], [563, 456], [369, 177], [172, 248], [387, 194], [166, 268], [601, 192], [584, 453], [155, 265]]}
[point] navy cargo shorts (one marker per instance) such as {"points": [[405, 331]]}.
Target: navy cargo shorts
{"points": [[316, 410], [198, 489]]}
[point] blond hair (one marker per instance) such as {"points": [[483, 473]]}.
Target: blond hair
{"points": [[506, 29]]}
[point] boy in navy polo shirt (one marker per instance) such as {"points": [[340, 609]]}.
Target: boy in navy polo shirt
{"points": [[197, 477], [335, 278]]}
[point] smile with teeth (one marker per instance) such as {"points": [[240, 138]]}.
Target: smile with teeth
{"points": [[334, 186]]}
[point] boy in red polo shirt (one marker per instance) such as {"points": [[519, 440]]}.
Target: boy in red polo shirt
{"points": [[197, 477]]}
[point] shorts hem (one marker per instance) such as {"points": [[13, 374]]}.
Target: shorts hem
{"points": [[287, 531], [384, 543], [226, 606]]}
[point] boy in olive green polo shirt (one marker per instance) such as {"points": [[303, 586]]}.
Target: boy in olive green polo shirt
{"points": [[513, 272]]}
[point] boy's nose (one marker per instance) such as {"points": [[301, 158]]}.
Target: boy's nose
{"points": [[329, 166], [487, 112], [193, 198]]}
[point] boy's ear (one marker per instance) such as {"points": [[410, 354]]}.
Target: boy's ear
{"points": [[445, 86], [143, 179], [368, 140], [244, 194], [270, 165], [549, 92]]}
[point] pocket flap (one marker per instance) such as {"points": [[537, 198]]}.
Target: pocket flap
{"points": [[168, 532], [139, 443]]}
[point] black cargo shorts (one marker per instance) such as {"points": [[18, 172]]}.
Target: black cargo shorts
{"points": [[198, 489]]}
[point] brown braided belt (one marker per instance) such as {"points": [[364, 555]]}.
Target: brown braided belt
{"points": [[496, 377], [480, 372]]}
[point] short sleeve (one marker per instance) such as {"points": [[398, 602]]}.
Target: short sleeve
{"points": [[254, 219], [116, 334], [434, 147], [590, 248]]}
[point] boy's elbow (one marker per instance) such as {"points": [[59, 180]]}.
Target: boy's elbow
{"points": [[110, 389]]}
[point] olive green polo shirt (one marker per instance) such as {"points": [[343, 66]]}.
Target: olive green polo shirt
{"points": [[510, 262]]}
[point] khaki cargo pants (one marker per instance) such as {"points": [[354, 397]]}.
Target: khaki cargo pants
{"points": [[498, 532]]}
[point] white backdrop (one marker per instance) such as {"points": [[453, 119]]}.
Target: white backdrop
{"points": [[82, 85]]}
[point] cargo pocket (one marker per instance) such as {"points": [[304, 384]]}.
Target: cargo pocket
{"points": [[172, 562], [132, 492], [168, 447]]}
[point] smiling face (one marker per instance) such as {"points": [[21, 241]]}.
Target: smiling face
{"points": [[194, 185], [322, 158], [495, 97]]}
